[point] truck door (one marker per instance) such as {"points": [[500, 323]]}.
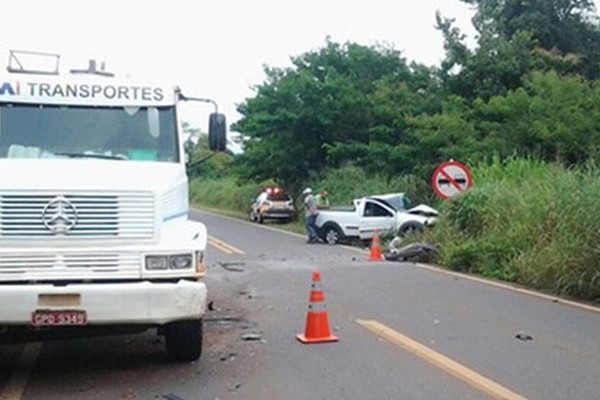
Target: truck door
{"points": [[375, 217]]}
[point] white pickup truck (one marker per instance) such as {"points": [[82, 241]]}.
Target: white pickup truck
{"points": [[384, 214]]}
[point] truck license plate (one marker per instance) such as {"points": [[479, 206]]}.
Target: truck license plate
{"points": [[58, 318]]}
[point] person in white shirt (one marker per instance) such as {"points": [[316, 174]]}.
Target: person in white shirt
{"points": [[310, 218]]}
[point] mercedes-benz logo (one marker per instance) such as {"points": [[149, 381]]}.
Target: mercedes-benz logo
{"points": [[59, 215]]}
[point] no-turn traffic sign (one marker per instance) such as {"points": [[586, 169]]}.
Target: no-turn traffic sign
{"points": [[451, 178]]}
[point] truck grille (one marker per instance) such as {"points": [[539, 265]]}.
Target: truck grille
{"points": [[53, 266], [127, 215]]}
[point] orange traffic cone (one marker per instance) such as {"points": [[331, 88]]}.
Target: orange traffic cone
{"points": [[375, 253], [317, 322]]}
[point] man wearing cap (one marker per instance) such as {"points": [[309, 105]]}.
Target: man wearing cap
{"points": [[310, 219]]}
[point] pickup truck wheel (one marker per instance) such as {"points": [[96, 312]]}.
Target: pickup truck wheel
{"points": [[332, 235], [183, 340], [410, 228]]}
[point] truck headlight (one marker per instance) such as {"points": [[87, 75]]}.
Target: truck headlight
{"points": [[156, 263], [172, 262], [180, 261]]}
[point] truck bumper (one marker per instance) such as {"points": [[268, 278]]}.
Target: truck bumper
{"points": [[143, 303], [277, 215]]}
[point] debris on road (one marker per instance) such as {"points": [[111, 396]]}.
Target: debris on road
{"points": [[232, 266], [251, 336], [172, 396], [523, 336], [235, 387], [416, 252]]}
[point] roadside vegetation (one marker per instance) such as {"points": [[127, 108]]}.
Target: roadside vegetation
{"points": [[521, 110], [527, 222]]}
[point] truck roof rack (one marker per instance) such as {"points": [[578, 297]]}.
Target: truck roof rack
{"points": [[33, 62], [93, 69]]}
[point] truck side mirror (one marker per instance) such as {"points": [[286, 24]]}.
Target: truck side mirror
{"points": [[217, 132]]}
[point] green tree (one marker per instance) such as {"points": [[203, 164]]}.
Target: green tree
{"points": [[517, 37], [498, 66], [337, 104], [566, 28], [552, 118], [203, 163]]}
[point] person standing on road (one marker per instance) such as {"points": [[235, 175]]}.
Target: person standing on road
{"points": [[310, 218]]}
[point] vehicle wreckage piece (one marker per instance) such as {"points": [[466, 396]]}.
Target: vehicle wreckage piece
{"points": [[416, 252]]}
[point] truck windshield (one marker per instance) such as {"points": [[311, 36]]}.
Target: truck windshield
{"points": [[120, 133]]}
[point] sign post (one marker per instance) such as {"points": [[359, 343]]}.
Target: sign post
{"points": [[451, 178]]}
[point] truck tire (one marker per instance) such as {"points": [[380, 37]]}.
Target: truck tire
{"points": [[183, 340], [332, 234]]}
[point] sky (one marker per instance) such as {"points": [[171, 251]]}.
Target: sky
{"points": [[218, 49]]}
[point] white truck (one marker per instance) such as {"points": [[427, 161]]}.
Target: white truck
{"points": [[382, 214], [94, 229]]}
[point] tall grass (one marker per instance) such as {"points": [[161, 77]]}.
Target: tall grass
{"points": [[528, 222], [225, 195]]}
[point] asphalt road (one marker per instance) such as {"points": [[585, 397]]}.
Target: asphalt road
{"points": [[406, 331]]}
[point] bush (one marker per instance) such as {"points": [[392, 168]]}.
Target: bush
{"points": [[528, 222]]}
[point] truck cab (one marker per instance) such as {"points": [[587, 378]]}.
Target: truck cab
{"points": [[94, 228]]}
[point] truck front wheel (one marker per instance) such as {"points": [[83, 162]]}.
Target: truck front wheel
{"points": [[183, 340], [332, 234]]}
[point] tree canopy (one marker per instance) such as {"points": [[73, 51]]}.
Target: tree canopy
{"points": [[339, 104], [519, 36], [529, 88]]}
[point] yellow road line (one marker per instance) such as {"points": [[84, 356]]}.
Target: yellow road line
{"points": [[16, 385], [224, 247], [471, 377]]}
